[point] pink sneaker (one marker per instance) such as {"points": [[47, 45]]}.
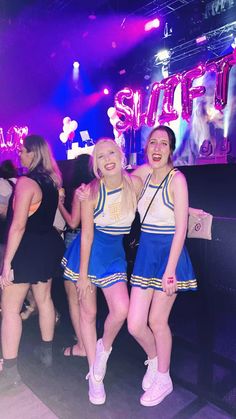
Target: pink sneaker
{"points": [[100, 363], [150, 374], [96, 392], [161, 387]]}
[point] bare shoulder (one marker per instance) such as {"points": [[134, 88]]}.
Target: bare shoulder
{"points": [[142, 171], [137, 182], [25, 183], [178, 185], [178, 179]]}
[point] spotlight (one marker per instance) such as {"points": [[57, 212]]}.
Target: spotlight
{"points": [[106, 91], [163, 57], [75, 75], [152, 24], [76, 65]]}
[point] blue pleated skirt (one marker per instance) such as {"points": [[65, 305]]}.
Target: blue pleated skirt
{"points": [[107, 263], [151, 261]]}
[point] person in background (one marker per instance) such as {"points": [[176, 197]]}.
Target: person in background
{"points": [[82, 175], [33, 253], [97, 258], [162, 267], [8, 176]]}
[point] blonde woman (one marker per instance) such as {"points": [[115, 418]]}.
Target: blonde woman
{"points": [[106, 216], [34, 249]]}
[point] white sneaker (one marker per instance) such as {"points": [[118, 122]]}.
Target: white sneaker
{"points": [[161, 387], [150, 374], [96, 392], [100, 363]]}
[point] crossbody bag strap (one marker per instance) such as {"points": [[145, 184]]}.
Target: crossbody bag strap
{"points": [[155, 195]]}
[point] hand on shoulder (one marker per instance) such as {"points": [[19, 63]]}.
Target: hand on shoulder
{"points": [[82, 193]]}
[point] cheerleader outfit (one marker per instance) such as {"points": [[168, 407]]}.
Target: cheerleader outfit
{"points": [[107, 263], [157, 233], [39, 253]]}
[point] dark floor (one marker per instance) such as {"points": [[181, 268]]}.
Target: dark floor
{"points": [[202, 367], [62, 389]]}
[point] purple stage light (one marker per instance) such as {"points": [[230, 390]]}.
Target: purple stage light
{"points": [[152, 24], [201, 39], [106, 91], [76, 65]]}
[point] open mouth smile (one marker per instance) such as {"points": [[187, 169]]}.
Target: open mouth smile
{"points": [[156, 157], [110, 166]]}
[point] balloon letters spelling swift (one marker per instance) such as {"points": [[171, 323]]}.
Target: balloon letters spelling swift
{"points": [[130, 112]]}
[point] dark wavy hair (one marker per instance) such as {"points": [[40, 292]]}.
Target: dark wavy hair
{"points": [[8, 169]]}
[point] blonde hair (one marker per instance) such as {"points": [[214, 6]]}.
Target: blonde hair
{"points": [[43, 160], [128, 200]]}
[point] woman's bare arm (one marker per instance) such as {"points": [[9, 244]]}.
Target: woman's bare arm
{"points": [[179, 192]]}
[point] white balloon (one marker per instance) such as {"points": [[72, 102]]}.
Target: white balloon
{"points": [[114, 121], [63, 137], [116, 133], [111, 112], [73, 125], [67, 129], [66, 120]]}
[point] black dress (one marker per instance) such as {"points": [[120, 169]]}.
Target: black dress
{"points": [[40, 251]]}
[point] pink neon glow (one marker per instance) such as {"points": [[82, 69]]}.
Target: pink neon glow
{"points": [[201, 39], [152, 24], [106, 91]]}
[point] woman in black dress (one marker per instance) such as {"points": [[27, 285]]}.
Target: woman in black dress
{"points": [[33, 253]]}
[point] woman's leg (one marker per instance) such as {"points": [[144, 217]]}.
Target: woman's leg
{"points": [[158, 321], [87, 312], [138, 327], [42, 295], [117, 299], [71, 292], [140, 301], [31, 308], [47, 318], [12, 300], [31, 299]]}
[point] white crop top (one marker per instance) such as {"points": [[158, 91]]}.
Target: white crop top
{"points": [[160, 218], [108, 215]]}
